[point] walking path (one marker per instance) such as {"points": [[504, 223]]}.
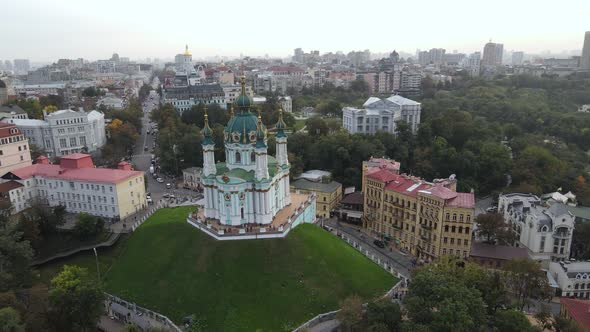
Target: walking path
{"points": [[109, 242]]}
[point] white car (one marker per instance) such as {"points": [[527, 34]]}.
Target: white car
{"points": [[160, 180], [168, 186]]}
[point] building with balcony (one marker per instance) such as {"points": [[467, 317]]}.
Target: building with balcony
{"points": [[545, 230], [14, 148], [426, 219], [64, 132], [76, 184]]}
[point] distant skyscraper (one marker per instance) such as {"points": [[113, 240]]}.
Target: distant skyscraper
{"points": [[492, 54], [517, 58], [298, 55], [21, 66], [7, 65], [585, 59]]}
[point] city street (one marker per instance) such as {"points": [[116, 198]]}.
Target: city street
{"points": [[143, 155], [400, 261]]}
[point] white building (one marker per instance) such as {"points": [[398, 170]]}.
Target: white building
{"points": [[545, 230], [286, 104], [573, 278], [381, 115], [64, 132], [232, 91], [14, 148], [111, 101], [14, 193]]}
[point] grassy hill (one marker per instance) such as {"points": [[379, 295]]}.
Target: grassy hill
{"points": [[273, 285]]}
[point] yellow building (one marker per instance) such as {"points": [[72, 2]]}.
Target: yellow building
{"points": [[14, 148], [425, 219], [328, 195]]}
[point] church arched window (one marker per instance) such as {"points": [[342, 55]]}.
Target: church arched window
{"points": [[238, 157], [253, 157]]}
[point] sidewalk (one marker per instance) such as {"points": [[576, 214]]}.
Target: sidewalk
{"points": [[109, 242]]}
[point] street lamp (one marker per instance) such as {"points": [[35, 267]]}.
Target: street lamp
{"points": [[97, 267]]}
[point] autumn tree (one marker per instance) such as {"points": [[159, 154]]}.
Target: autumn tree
{"points": [[351, 312], [526, 281]]}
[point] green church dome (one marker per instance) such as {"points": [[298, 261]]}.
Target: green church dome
{"points": [[241, 128]]}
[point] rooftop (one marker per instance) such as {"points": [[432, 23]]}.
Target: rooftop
{"points": [[316, 186], [355, 198], [11, 108], [8, 186], [397, 99], [73, 167], [579, 310], [497, 252]]}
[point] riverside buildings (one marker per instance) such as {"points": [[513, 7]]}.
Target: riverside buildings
{"points": [[14, 148]]}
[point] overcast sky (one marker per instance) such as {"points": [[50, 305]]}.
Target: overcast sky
{"points": [[46, 30]]}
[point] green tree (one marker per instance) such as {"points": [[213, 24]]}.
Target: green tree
{"points": [[15, 255], [351, 312], [526, 281], [10, 321], [494, 229], [512, 321], [316, 126], [76, 301], [88, 226], [384, 313]]}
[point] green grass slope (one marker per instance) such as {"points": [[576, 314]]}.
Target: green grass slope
{"points": [[274, 285]]}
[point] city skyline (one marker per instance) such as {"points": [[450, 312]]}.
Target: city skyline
{"points": [[149, 31]]}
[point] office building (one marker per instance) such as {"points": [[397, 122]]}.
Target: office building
{"points": [[517, 58], [185, 97], [21, 66], [80, 187], [12, 111], [492, 54], [14, 148], [64, 132], [425, 219]]}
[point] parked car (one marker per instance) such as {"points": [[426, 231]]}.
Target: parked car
{"points": [[160, 180], [492, 209], [166, 195], [149, 200], [379, 244], [168, 186]]}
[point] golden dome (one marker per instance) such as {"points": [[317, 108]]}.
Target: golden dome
{"points": [[186, 52]]}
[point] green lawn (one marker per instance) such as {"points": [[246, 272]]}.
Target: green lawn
{"points": [[274, 285], [65, 240], [299, 124]]}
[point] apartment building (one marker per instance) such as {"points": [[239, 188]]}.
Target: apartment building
{"points": [[573, 278], [14, 148], [426, 219], [183, 98], [76, 184], [64, 132]]}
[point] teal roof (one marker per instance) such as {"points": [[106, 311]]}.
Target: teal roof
{"points": [[241, 129], [581, 212], [281, 125], [207, 132], [245, 175]]}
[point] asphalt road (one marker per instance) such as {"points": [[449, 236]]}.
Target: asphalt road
{"points": [[400, 261], [142, 158]]}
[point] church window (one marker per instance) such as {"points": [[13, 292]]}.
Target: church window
{"points": [[238, 157]]}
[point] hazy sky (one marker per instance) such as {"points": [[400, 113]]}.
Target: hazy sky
{"points": [[45, 30]]}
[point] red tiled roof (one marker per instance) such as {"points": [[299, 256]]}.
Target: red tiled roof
{"points": [[579, 310], [463, 200], [383, 175], [441, 192], [101, 175], [407, 186]]}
